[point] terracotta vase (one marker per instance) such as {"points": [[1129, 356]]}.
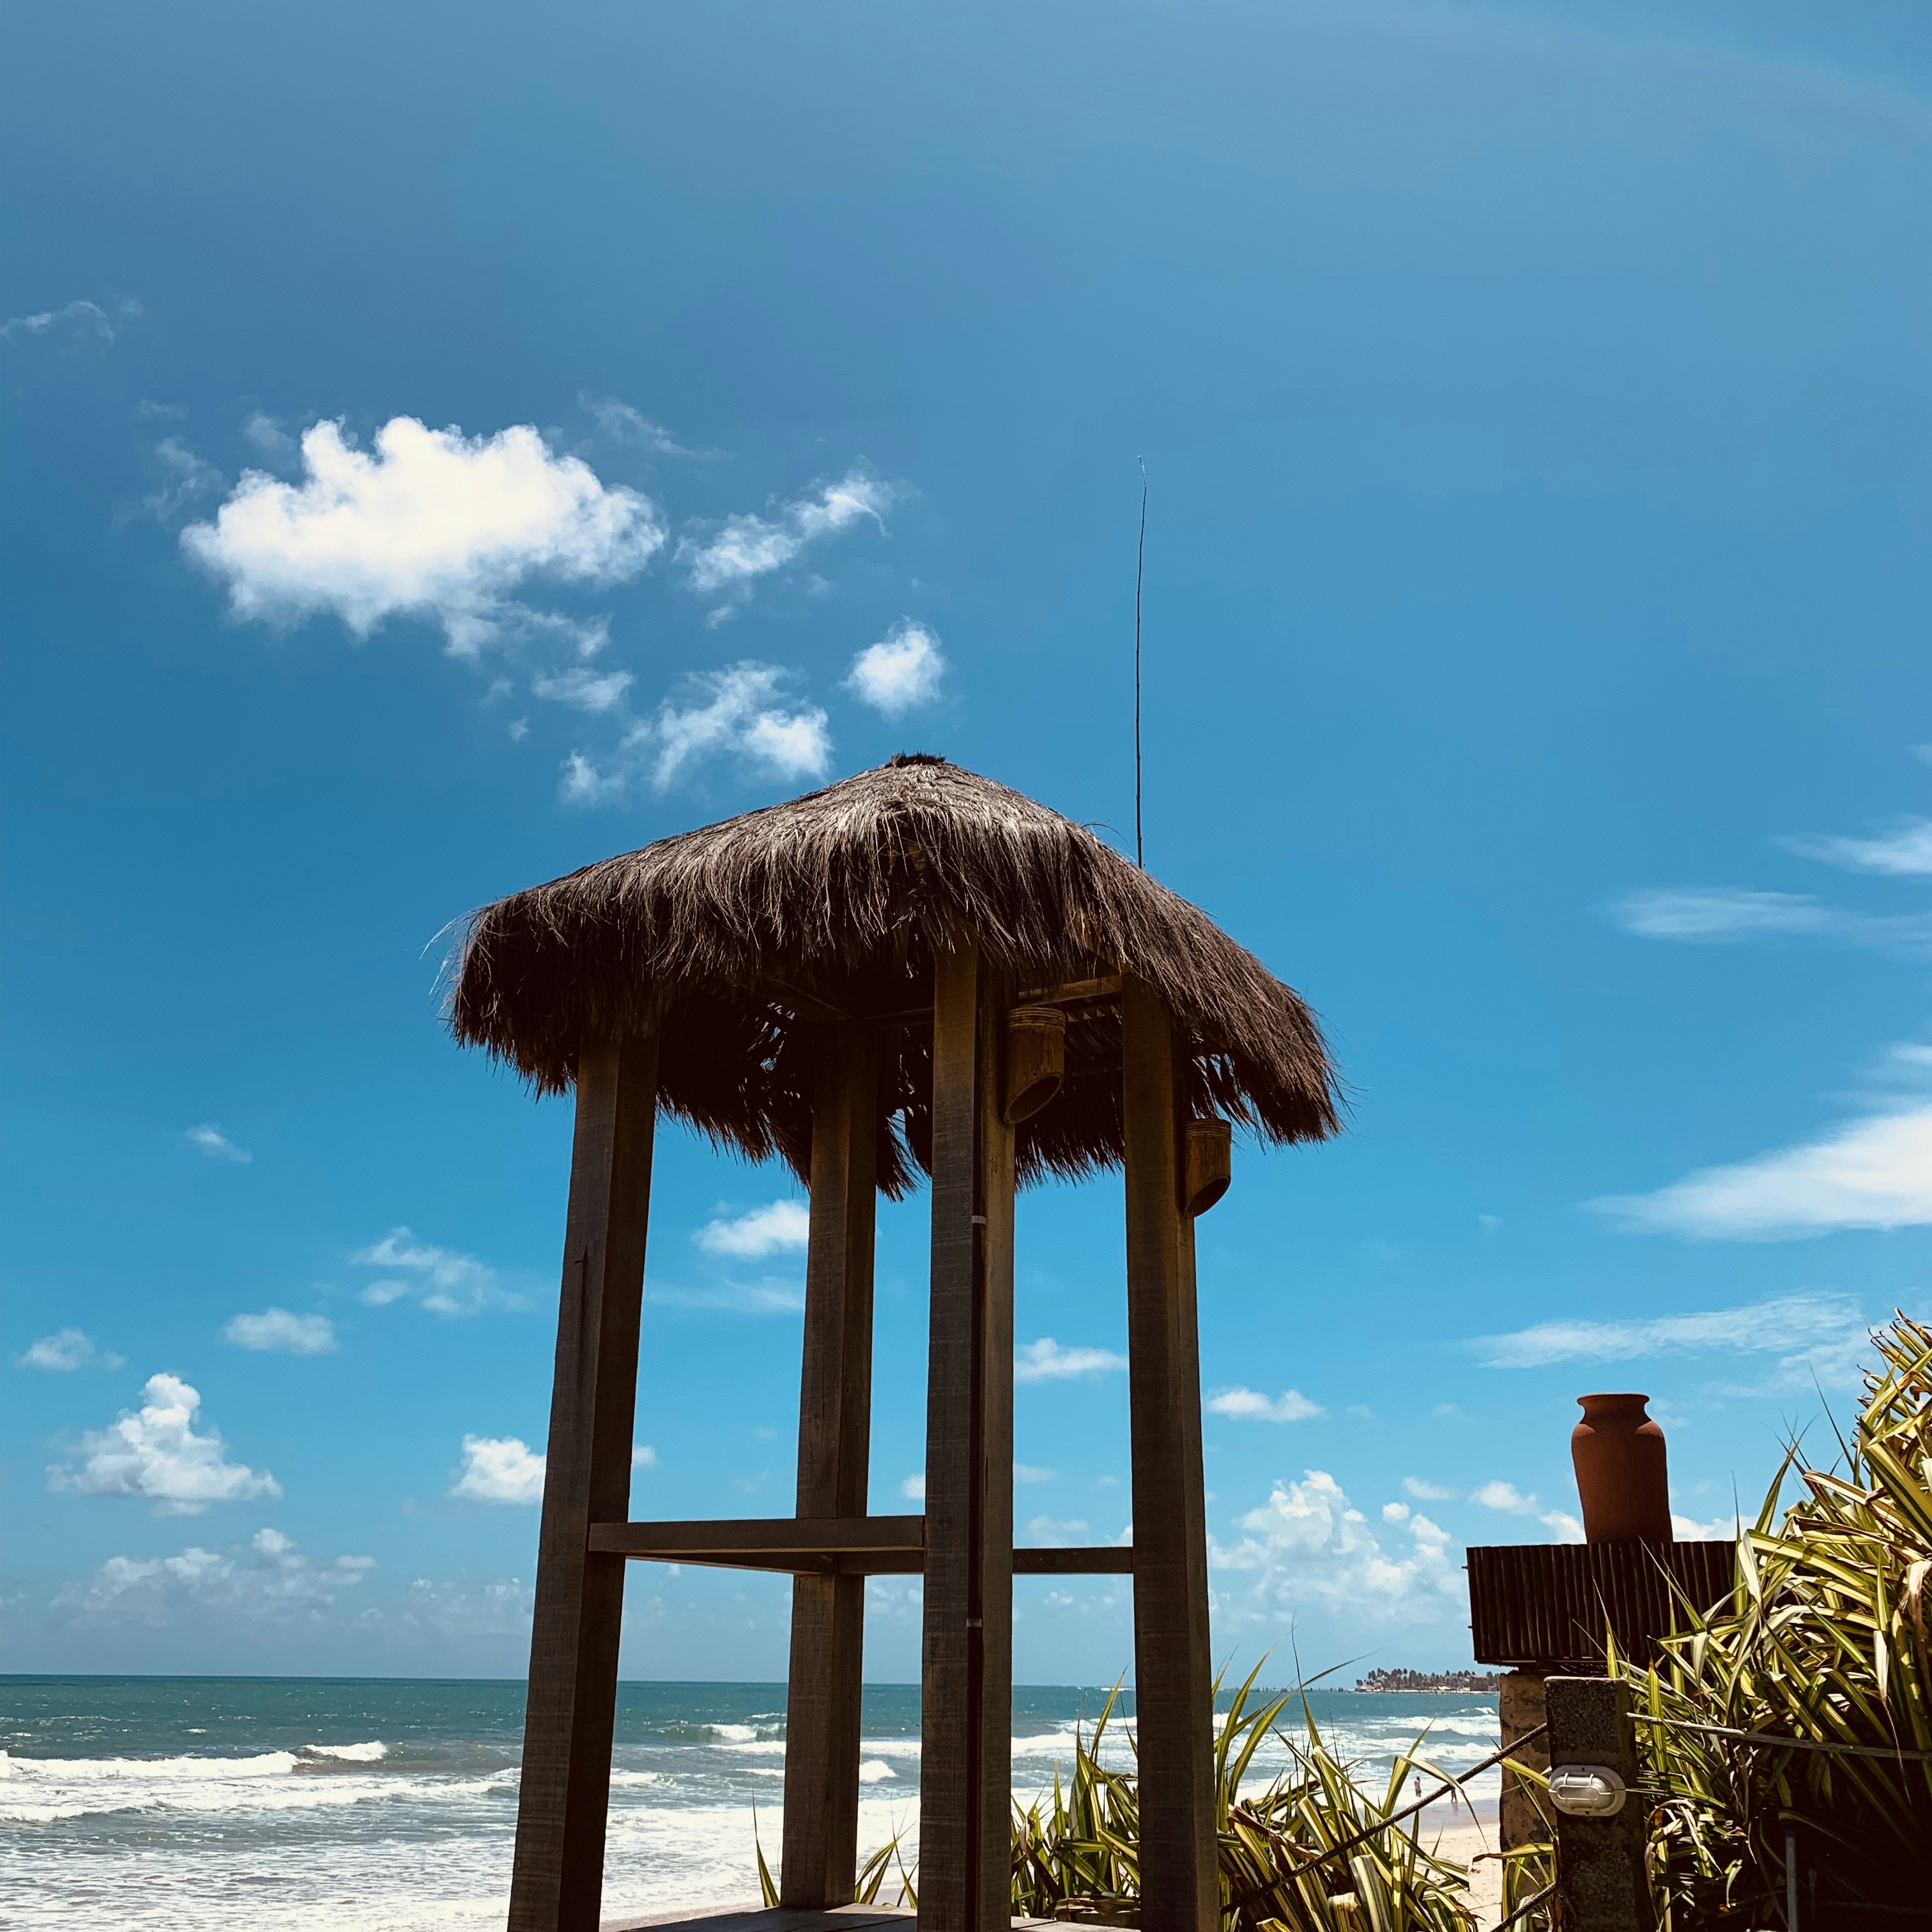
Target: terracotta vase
{"points": [[1621, 1476]]}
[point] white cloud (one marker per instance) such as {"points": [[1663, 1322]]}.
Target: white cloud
{"points": [[499, 1469], [1427, 1492], [730, 557], [153, 1452], [588, 690], [184, 476], [276, 1331], [1308, 1543], [210, 1140], [1720, 914], [1046, 1360], [1503, 1496], [759, 1232], [623, 424], [1814, 1336], [65, 1349], [1290, 1405], [769, 1294], [1904, 852], [912, 1488], [1719, 1529], [282, 1582], [1028, 1472], [901, 671], [501, 1608], [445, 1281], [1047, 1531], [79, 319], [431, 524], [270, 438], [740, 711], [1874, 1173], [1566, 1528], [741, 714], [643, 1456]]}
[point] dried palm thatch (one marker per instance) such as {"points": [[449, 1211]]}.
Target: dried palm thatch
{"points": [[740, 936]]}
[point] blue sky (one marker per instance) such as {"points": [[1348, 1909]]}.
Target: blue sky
{"points": [[451, 445]]}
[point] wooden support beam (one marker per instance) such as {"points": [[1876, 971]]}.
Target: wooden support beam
{"points": [[966, 1701], [1173, 1673], [1072, 992], [871, 1545], [763, 1536], [557, 1881], [1106, 1559], [820, 1858]]}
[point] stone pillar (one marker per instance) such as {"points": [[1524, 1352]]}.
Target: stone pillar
{"points": [[1518, 1821], [1599, 1860]]}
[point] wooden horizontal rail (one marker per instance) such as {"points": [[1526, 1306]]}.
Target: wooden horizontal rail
{"points": [[857, 1545]]}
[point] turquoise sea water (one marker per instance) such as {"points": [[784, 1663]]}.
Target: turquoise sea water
{"points": [[268, 1804]]}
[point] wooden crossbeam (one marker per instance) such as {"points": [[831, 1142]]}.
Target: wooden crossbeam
{"points": [[874, 1545]]}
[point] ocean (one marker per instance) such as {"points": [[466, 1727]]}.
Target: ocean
{"points": [[269, 1804]]}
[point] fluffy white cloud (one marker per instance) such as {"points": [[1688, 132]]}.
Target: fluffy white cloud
{"points": [[499, 1469], [279, 1583], [1503, 1496], [1427, 1492], [643, 1456], [1028, 1472], [1874, 1173], [759, 1232], [154, 1452], [445, 1281], [912, 1488], [430, 524], [901, 671], [1904, 852], [1308, 1543], [740, 711], [731, 556], [1820, 1336], [1567, 1528], [1290, 1405], [210, 1140], [1688, 1529], [64, 1350], [278, 1331], [1046, 1360]]}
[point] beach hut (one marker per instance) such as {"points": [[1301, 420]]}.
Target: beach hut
{"points": [[914, 972]]}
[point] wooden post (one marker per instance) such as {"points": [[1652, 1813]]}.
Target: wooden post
{"points": [[1173, 1673], [966, 1700], [822, 1709], [556, 1883]]}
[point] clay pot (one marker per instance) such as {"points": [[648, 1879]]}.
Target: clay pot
{"points": [[1621, 1476]]}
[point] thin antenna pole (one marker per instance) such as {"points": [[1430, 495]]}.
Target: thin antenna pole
{"points": [[1140, 567]]}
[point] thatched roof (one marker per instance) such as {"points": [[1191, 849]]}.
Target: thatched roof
{"points": [[742, 934]]}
